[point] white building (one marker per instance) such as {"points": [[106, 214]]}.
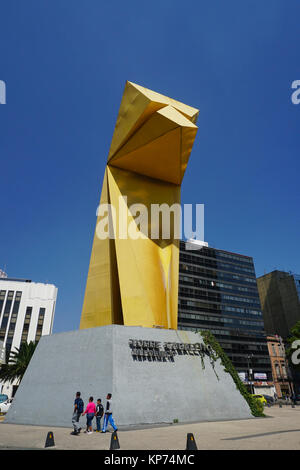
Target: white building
{"points": [[26, 313], [2, 353]]}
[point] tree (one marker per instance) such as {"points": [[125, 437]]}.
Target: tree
{"points": [[18, 363]]}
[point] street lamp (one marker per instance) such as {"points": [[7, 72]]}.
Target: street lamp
{"points": [[249, 358]]}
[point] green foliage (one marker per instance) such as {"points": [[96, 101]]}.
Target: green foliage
{"points": [[18, 363], [259, 405], [217, 353]]}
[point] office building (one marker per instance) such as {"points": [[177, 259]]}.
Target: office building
{"points": [[279, 293], [218, 292], [280, 369], [26, 313], [297, 283]]}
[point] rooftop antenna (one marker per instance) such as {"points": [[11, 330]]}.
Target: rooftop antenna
{"points": [[3, 274]]}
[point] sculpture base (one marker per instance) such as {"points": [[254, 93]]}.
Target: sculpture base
{"points": [[146, 389]]}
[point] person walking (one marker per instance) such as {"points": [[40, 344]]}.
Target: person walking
{"points": [[108, 415], [90, 412], [78, 409], [99, 414]]}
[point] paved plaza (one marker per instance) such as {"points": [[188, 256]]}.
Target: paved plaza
{"points": [[280, 430]]}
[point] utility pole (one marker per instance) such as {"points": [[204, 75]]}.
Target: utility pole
{"points": [[249, 357]]}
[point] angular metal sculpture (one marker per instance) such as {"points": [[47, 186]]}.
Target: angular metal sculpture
{"points": [[134, 281]]}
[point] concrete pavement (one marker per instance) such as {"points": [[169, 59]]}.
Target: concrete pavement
{"points": [[279, 431]]}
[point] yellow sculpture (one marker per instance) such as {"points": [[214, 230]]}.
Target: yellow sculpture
{"points": [[134, 280]]}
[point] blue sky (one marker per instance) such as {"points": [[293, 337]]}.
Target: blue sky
{"points": [[65, 64]]}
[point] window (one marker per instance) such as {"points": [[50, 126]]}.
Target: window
{"points": [[14, 314], [284, 373], [9, 299], [2, 297], [6, 313], [26, 324], [40, 323], [17, 301], [8, 349]]}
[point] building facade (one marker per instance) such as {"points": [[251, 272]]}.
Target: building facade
{"points": [[2, 353], [279, 293], [26, 313], [280, 301], [218, 292], [280, 369], [297, 283]]}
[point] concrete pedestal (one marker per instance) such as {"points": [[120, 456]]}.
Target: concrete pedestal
{"points": [[145, 389]]}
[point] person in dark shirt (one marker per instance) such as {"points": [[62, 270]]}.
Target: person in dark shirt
{"points": [[108, 415], [99, 414], [78, 409]]}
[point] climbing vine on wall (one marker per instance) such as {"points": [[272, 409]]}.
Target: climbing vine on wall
{"points": [[217, 353]]}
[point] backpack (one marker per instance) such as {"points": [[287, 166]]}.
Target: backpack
{"points": [[80, 406], [100, 410]]}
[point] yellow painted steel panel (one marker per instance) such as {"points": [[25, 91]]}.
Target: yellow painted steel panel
{"points": [[156, 126], [188, 111], [160, 159], [155, 149], [137, 104], [135, 108], [148, 269], [134, 280], [101, 304]]}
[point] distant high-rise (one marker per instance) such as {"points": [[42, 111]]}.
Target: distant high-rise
{"points": [[279, 293], [218, 292], [297, 283]]}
